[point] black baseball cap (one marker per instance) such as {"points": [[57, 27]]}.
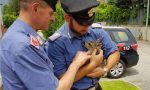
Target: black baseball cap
{"points": [[83, 11]]}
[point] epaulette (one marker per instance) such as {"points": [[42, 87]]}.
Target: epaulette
{"points": [[54, 36], [96, 26]]}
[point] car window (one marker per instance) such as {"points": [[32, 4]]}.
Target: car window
{"points": [[120, 36]]}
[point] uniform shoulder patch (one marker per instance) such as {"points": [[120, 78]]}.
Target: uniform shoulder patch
{"points": [[34, 42], [54, 36], [96, 26]]}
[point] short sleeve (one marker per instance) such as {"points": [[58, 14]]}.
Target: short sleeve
{"points": [[56, 53], [107, 44], [33, 70]]}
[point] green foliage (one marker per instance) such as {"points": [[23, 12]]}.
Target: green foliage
{"points": [[6, 10], [128, 4], [106, 12], [134, 12], [10, 12], [112, 2], [12, 7], [112, 14], [9, 19], [59, 20]]}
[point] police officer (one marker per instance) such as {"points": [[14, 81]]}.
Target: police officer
{"points": [[24, 63], [77, 30]]}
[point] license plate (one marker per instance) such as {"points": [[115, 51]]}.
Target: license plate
{"points": [[126, 48]]}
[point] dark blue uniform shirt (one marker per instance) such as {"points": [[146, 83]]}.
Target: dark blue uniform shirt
{"points": [[24, 63], [62, 50]]}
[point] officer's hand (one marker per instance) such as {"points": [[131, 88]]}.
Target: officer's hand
{"points": [[81, 58], [97, 58], [96, 73]]}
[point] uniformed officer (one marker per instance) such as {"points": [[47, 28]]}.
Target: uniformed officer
{"points": [[24, 63], [77, 30]]}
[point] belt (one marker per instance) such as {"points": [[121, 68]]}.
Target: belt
{"points": [[97, 86]]}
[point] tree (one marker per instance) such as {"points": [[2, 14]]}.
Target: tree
{"points": [[12, 7], [128, 4], [59, 20], [9, 19], [10, 12]]}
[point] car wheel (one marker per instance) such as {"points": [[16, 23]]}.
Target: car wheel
{"points": [[118, 70]]}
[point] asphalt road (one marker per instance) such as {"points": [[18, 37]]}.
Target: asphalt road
{"points": [[139, 75]]}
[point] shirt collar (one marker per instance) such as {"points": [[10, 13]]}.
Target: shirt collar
{"points": [[25, 28], [28, 30]]}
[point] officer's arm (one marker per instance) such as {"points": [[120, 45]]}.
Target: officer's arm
{"points": [[94, 62], [102, 70], [57, 56], [67, 80], [112, 59], [110, 50]]}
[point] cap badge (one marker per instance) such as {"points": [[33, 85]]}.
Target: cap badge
{"points": [[92, 11]]}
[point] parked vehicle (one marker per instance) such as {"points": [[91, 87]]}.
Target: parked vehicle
{"points": [[127, 46]]}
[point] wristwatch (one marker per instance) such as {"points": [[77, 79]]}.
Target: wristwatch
{"points": [[105, 71]]}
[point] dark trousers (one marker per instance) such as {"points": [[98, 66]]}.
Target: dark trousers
{"points": [[97, 87]]}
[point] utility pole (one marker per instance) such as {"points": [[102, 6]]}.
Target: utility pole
{"points": [[1, 18], [147, 20]]}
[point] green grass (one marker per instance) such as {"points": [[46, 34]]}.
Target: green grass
{"points": [[117, 85]]}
